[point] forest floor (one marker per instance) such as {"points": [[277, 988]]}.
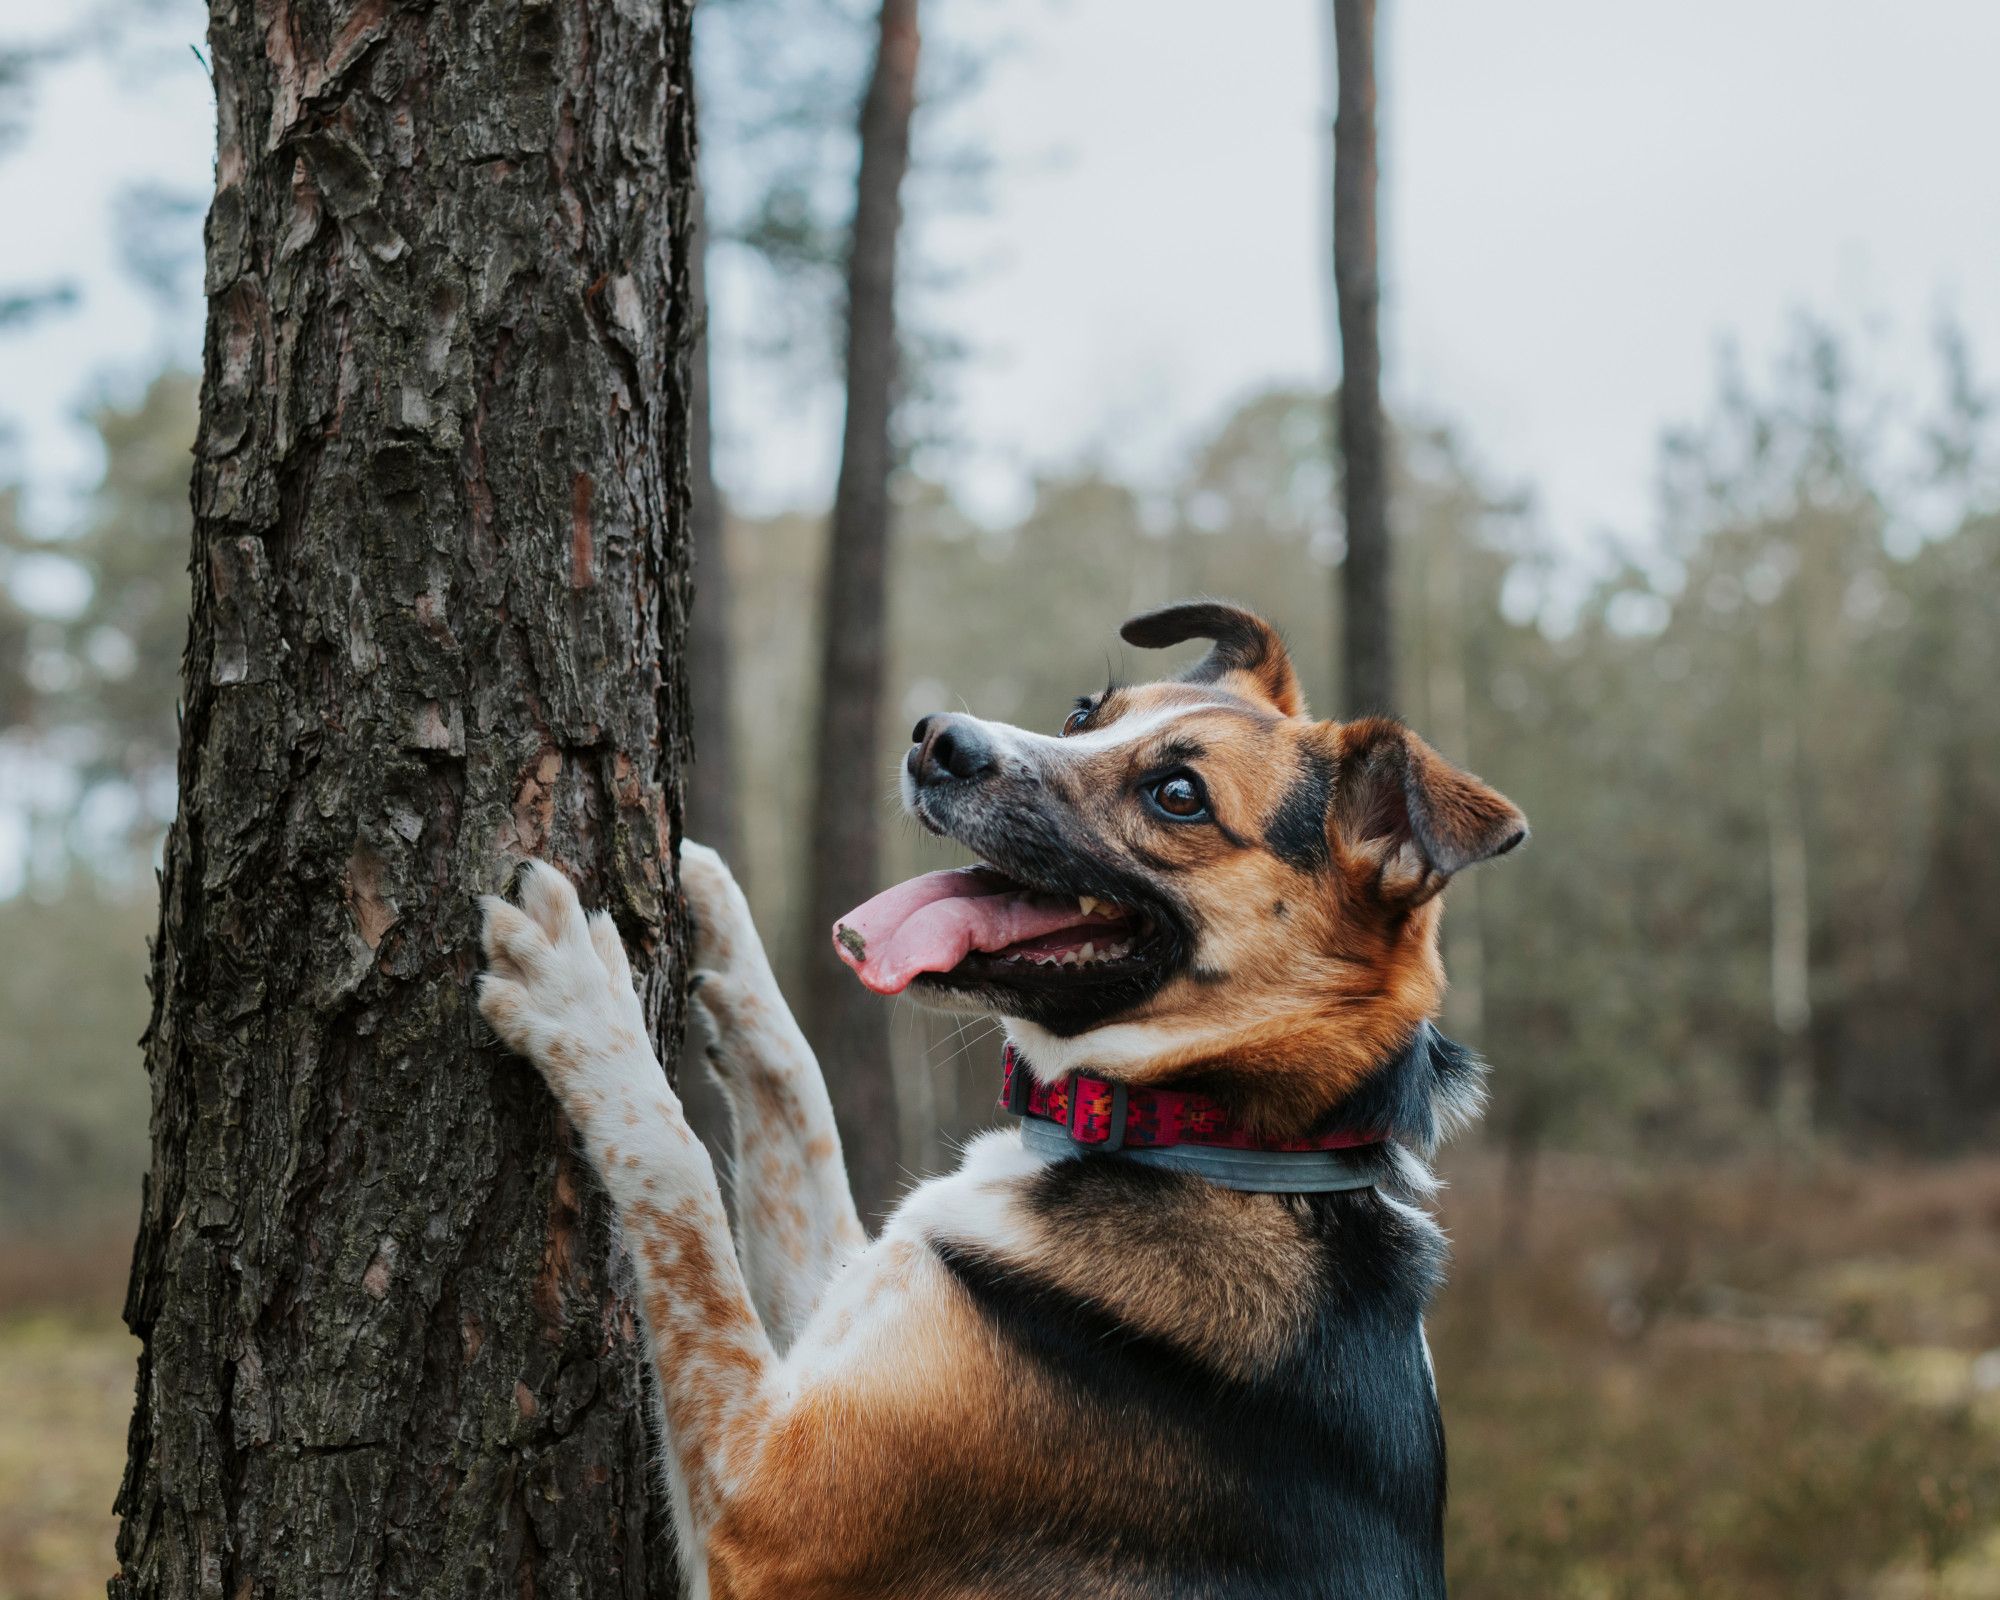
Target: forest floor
{"points": [[1657, 1385], [66, 1375], [1724, 1383]]}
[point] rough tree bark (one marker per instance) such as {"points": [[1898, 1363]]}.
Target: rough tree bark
{"points": [[1368, 681], [439, 578], [848, 1026]]}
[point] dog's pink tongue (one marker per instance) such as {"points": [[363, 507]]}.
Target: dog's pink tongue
{"points": [[932, 923]]}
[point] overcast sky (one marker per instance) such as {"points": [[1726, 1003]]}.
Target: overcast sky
{"points": [[1583, 200]]}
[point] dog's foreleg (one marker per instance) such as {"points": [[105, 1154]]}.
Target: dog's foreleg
{"points": [[559, 991], [794, 1211]]}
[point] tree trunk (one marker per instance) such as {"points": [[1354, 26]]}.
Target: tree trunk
{"points": [[848, 1026], [439, 582], [711, 798], [1786, 856], [1368, 683]]}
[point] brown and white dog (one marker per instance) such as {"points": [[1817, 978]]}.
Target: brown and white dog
{"points": [[1064, 1372]]}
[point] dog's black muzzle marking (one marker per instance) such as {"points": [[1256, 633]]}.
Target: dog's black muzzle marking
{"points": [[1012, 822]]}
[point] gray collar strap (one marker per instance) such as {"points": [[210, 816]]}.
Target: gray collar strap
{"points": [[1252, 1171]]}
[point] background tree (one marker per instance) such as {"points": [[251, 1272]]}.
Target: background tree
{"points": [[126, 640], [439, 583], [848, 1026], [1368, 657], [17, 698], [712, 800], [1626, 994]]}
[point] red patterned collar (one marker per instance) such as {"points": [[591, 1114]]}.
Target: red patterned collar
{"points": [[1101, 1115]]}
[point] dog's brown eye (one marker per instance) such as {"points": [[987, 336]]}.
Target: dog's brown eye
{"points": [[1180, 797], [1075, 720]]}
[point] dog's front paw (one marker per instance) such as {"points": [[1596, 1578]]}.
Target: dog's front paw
{"points": [[558, 988], [724, 935]]}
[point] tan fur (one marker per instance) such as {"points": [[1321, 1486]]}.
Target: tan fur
{"points": [[1215, 1272], [1302, 979], [841, 1417], [899, 1427], [949, 1447]]}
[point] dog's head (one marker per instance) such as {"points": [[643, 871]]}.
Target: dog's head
{"points": [[1193, 879]]}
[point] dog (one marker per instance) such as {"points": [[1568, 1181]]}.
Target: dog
{"points": [[1164, 1336]]}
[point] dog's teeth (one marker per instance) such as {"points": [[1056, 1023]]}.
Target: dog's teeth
{"points": [[1088, 904], [1088, 952]]}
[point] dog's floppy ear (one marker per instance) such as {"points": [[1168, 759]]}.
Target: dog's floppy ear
{"points": [[1246, 648], [1407, 815]]}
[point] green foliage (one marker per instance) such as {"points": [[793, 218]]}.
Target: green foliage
{"points": [[1623, 966], [16, 625], [1781, 671], [783, 87], [782, 84], [72, 1093], [94, 695], [1619, 972], [126, 645]]}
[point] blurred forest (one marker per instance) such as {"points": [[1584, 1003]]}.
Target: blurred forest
{"points": [[1727, 1315], [1803, 664], [1644, 1226], [1779, 713]]}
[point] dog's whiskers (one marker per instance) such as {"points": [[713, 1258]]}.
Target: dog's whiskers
{"points": [[991, 1028]]}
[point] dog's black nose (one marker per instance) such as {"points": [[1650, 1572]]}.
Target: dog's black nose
{"points": [[949, 746]]}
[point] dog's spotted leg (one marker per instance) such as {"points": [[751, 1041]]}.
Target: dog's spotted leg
{"points": [[559, 991], [795, 1214]]}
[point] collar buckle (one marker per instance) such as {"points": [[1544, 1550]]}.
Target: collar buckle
{"points": [[1088, 1099], [1019, 1080]]}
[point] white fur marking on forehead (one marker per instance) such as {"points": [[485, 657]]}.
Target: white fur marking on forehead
{"points": [[1126, 730]]}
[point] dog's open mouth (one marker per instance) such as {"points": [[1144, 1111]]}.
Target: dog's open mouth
{"points": [[977, 925]]}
